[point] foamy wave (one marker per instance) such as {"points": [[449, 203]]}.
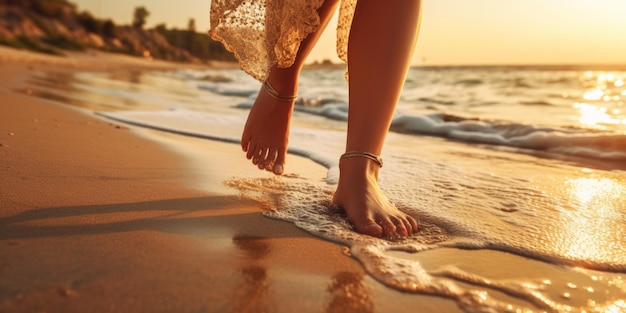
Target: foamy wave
{"points": [[330, 108], [601, 145], [230, 89], [573, 142], [308, 207], [233, 83], [320, 146]]}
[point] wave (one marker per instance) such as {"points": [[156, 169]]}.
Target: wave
{"points": [[576, 142], [587, 143], [537, 103], [229, 90], [469, 82]]}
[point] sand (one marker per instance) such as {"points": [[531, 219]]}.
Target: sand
{"points": [[97, 216]]}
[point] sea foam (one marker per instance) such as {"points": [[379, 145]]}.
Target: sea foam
{"points": [[307, 206]]}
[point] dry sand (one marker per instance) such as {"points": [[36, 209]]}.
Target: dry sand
{"points": [[101, 217]]}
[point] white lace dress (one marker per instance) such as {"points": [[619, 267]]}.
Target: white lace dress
{"points": [[264, 33]]}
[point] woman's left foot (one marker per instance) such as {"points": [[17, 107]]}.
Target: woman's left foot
{"points": [[266, 133]]}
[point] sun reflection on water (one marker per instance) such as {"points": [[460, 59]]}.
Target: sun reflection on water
{"points": [[593, 115], [599, 192], [594, 227], [602, 104]]}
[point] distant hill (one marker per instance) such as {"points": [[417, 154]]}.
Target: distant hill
{"points": [[52, 26]]}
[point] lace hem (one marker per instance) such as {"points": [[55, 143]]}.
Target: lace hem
{"points": [[264, 33]]}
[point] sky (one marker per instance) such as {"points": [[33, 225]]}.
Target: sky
{"points": [[455, 32]]}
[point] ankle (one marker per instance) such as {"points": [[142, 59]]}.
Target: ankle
{"points": [[285, 81], [358, 168]]}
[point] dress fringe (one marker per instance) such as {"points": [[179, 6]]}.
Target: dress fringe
{"points": [[264, 33]]}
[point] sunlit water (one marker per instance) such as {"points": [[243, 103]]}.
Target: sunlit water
{"points": [[525, 161]]}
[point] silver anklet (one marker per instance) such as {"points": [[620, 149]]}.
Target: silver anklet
{"points": [[275, 93], [363, 154]]}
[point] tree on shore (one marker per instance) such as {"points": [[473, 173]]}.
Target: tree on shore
{"points": [[109, 30], [191, 33], [139, 17], [191, 25]]}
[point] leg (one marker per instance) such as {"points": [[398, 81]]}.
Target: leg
{"points": [[380, 48], [266, 132]]}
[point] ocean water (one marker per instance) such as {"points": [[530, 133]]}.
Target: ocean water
{"points": [[529, 161]]}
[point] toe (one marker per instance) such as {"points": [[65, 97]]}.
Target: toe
{"points": [[413, 223], [369, 228], [251, 151], [400, 228], [280, 161], [389, 229], [269, 161], [278, 169], [367, 225], [261, 156], [245, 142], [408, 227], [272, 154]]}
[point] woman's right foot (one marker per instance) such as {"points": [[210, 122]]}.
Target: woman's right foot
{"points": [[266, 133], [364, 203]]}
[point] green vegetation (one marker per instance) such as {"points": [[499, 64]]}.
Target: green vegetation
{"points": [[64, 28], [64, 43], [104, 28], [199, 45], [140, 16], [29, 44]]}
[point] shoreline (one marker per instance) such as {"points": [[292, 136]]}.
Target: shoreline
{"points": [[100, 216], [92, 60]]}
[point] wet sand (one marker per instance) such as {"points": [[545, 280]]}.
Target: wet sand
{"points": [[104, 217], [101, 217]]}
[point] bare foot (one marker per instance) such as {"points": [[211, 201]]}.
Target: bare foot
{"points": [[266, 134], [367, 207]]}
